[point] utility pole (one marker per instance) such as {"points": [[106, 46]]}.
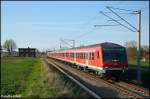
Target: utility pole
{"points": [[60, 46], [65, 42], [139, 47], [73, 41]]}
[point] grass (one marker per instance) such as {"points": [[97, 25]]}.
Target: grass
{"points": [[33, 78], [13, 73], [34, 85], [144, 71], [60, 85], [132, 62]]}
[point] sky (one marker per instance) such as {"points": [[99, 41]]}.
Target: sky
{"points": [[41, 24]]}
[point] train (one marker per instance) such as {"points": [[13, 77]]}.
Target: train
{"points": [[103, 58]]}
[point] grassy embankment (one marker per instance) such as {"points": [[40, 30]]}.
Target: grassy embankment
{"points": [[31, 77], [145, 71], [144, 64]]}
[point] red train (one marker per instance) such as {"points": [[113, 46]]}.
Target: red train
{"points": [[103, 58]]}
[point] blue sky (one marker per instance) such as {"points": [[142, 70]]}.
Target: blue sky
{"points": [[41, 24]]}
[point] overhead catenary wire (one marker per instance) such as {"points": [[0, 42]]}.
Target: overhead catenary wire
{"points": [[122, 18], [85, 24], [116, 21], [118, 3], [120, 9], [120, 13], [93, 29]]}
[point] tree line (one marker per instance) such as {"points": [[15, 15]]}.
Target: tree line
{"points": [[131, 48]]}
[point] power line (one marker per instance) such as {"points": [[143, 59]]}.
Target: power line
{"points": [[80, 36], [107, 25], [119, 13], [116, 21], [85, 24], [120, 9], [122, 18]]}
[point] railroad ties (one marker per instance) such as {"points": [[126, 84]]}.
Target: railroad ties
{"points": [[76, 81], [128, 90]]}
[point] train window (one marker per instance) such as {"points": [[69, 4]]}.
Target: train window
{"points": [[80, 55], [76, 55], [89, 56], [72, 55], [68, 54], [83, 55], [98, 55], [92, 55], [86, 55]]}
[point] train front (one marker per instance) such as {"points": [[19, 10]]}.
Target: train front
{"points": [[114, 60]]}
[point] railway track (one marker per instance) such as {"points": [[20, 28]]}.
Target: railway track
{"points": [[141, 91], [76, 81], [130, 90]]}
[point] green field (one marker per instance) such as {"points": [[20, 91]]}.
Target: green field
{"points": [[132, 62], [22, 76], [32, 78], [14, 72]]}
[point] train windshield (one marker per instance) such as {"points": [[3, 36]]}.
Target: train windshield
{"points": [[114, 55]]}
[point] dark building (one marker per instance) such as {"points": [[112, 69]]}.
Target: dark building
{"points": [[27, 52]]}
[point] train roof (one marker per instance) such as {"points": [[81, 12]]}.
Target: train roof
{"points": [[103, 45]]}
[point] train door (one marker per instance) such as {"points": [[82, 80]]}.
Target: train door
{"points": [[97, 58], [74, 56], [86, 57]]}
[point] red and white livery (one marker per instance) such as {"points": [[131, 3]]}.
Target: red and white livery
{"points": [[103, 58]]}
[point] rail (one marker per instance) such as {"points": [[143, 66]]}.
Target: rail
{"points": [[130, 90], [76, 81]]}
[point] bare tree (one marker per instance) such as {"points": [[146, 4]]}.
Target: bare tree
{"points": [[132, 51], [145, 51], [132, 44], [10, 45], [131, 48]]}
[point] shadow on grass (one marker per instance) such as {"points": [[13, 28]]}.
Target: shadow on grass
{"points": [[131, 75]]}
